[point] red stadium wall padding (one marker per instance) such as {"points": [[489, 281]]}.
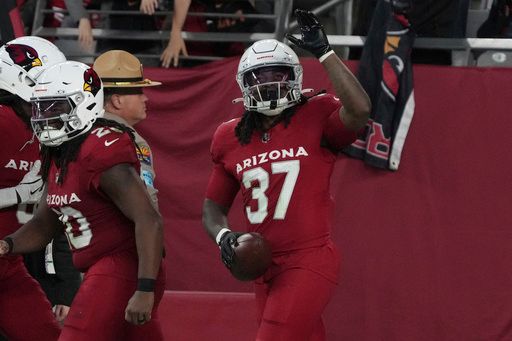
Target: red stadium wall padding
{"points": [[426, 250], [199, 315]]}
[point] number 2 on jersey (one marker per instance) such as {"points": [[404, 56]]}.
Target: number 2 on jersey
{"points": [[291, 169]]}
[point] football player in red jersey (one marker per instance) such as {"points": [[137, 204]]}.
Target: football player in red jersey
{"points": [[95, 193], [280, 154], [25, 313]]}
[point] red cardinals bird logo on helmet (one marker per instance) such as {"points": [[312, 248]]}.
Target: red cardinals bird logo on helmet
{"points": [[23, 55], [92, 81]]}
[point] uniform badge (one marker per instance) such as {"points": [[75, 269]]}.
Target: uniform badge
{"points": [[144, 154], [147, 177]]}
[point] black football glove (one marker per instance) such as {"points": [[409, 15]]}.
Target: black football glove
{"points": [[227, 243], [314, 38]]}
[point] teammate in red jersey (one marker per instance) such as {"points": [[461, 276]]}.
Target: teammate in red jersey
{"points": [[95, 193], [22, 302], [281, 154]]}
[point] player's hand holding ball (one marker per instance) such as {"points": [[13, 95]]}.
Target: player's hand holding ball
{"points": [[228, 241], [252, 257], [246, 255], [314, 38]]}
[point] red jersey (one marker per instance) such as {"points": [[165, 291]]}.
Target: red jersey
{"points": [[95, 227], [16, 159], [284, 175]]}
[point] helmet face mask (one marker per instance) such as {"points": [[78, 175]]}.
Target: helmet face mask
{"points": [[268, 74], [54, 118], [269, 87], [70, 100], [270, 77], [22, 60]]}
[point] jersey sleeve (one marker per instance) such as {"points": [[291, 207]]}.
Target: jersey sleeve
{"points": [[109, 151], [334, 131], [222, 186]]}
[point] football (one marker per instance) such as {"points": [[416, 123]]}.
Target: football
{"points": [[252, 257]]}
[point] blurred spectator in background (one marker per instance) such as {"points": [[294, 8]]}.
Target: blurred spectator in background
{"points": [[499, 22], [27, 9], [77, 15], [180, 23], [176, 45], [135, 23], [125, 103], [264, 7], [11, 25]]}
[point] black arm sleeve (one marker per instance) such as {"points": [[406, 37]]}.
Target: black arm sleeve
{"points": [[68, 279]]}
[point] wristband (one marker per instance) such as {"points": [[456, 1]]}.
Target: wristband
{"points": [[9, 242], [221, 232], [324, 57], [146, 284]]}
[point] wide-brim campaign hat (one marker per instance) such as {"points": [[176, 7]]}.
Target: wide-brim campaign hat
{"points": [[121, 69]]}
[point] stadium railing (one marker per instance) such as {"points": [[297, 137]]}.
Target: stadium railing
{"points": [[463, 49]]}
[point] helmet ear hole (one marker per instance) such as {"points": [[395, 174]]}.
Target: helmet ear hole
{"points": [[75, 123], [29, 82], [78, 99]]}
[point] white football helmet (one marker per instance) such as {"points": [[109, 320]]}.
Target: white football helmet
{"points": [[270, 77], [22, 60], [68, 97]]}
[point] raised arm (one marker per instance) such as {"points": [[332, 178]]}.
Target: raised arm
{"points": [[176, 43], [122, 184], [79, 14], [148, 6], [356, 103]]}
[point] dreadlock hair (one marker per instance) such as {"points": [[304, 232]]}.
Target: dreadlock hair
{"points": [[17, 104], [252, 121], [68, 151]]}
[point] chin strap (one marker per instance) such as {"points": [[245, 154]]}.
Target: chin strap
{"points": [[29, 141], [271, 112]]}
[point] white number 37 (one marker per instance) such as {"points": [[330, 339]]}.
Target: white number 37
{"points": [[291, 169]]}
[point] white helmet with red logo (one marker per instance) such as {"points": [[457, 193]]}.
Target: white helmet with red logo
{"points": [[68, 98], [22, 60], [270, 77]]}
